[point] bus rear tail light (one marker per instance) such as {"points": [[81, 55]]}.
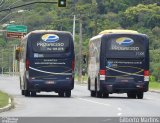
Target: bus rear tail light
{"points": [[73, 64], [27, 64], [146, 75], [102, 74], [146, 72]]}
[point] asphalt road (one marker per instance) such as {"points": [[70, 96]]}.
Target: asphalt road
{"points": [[79, 105]]}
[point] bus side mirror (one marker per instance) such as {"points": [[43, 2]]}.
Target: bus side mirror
{"points": [[84, 59], [17, 54]]}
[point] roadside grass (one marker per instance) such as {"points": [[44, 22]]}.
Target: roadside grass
{"points": [[3, 99], [154, 85]]}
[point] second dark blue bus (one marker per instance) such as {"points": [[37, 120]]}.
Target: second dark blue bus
{"points": [[118, 63]]}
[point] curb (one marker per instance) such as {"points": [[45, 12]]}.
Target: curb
{"points": [[9, 106], [155, 91]]}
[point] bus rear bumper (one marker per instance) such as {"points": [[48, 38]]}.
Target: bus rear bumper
{"points": [[50, 85], [124, 87]]}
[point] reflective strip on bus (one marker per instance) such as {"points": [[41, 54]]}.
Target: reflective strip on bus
{"points": [[50, 72]]}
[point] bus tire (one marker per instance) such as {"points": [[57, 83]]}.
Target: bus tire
{"points": [[89, 84], [22, 92], [72, 82], [95, 85], [26, 93], [68, 93], [93, 93], [131, 95], [61, 94], [99, 94], [105, 95], [140, 95], [33, 93], [20, 83]]}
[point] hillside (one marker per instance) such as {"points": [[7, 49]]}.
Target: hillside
{"points": [[96, 15]]}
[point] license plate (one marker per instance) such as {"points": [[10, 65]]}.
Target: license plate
{"points": [[50, 82], [124, 80]]}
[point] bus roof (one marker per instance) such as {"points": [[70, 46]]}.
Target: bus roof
{"points": [[121, 31], [44, 31], [115, 31], [39, 31]]}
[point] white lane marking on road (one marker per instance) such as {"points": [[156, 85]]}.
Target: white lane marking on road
{"points": [[105, 104], [107, 120], [119, 114], [149, 98], [119, 109]]}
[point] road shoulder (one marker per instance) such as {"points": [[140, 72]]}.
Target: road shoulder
{"points": [[154, 90]]}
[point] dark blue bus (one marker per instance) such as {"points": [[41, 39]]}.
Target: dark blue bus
{"points": [[46, 62], [118, 63]]}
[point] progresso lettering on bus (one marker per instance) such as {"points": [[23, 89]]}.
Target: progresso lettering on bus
{"points": [[50, 40], [123, 43], [50, 44]]}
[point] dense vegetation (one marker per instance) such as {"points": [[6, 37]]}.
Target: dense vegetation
{"points": [[96, 15]]}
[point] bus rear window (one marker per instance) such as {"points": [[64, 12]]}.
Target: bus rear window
{"points": [[50, 43], [126, 46]]}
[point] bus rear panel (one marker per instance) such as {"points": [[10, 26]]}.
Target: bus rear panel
{"points": [[126, 65]]}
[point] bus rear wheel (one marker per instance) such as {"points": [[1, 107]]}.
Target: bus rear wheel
{"points": [[26, 93], [93, 93], [131, 95], [33, 93], [68, 93], [22, 92], [99, 94], [61, 94], [140, 95], [89, 84], [105, 95]]}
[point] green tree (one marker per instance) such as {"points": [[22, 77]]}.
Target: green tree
{"points": [[143, 15]]}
